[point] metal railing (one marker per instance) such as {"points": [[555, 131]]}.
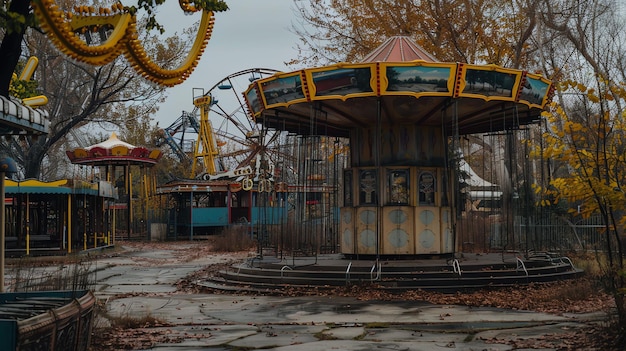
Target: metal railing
{"points": [[376, 268], [282, 270], [348, 273], [520, 264], [456, 267]]}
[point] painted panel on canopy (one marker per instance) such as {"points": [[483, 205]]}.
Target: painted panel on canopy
{"points": [[535, 91], [489, 82], [341, 81], [282, 90], [252, 100], [418, 78]]}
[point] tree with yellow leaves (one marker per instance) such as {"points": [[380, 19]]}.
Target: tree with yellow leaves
{"points": [[587, 147], [481, 31], [584, 141]]}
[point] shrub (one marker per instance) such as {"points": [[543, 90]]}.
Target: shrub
{"points": [[234, 238]]}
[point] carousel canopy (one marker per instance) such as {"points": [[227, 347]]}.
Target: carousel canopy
{"points": [[114, 151], [63, 186], [398, 83]]}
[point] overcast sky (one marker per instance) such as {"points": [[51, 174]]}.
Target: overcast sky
{"points": [[251, 34]]}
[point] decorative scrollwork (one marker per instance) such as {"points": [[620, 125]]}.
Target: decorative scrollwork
{"points": [[247, 184], [68, 30]]}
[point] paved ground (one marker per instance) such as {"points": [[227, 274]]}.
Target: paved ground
{"points": [[230, 322]]}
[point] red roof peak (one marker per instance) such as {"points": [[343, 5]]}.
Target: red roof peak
{"points": [[399, 49]]}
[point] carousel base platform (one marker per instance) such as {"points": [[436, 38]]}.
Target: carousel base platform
{"points": [[444, 274]]}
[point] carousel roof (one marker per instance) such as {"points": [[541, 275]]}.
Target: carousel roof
{"points": [[110, 143], [391, 86], [114, 151], [399, 49]]}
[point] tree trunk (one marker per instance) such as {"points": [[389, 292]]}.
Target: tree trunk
{"points": [[34, 158], [620, 301], [11, 47]]}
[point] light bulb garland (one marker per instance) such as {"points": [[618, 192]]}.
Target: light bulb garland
{"points": [[69, 32]]}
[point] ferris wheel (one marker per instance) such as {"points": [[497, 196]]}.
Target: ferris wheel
{"points": [[239, 142]]}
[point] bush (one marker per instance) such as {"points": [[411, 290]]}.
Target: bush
{"points": [[234, 238]]}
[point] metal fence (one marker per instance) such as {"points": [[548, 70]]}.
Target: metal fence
{"points": [[560, 234]]}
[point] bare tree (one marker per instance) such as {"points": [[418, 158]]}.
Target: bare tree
{"points": [[80, 94]]}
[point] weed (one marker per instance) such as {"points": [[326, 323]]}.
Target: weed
{"points": [[469, 337], [322, 335], [127, 321], [73, 274], [234, 238]]}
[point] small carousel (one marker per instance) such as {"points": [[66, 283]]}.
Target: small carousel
{"points": [[116, 158], [403, 114]]}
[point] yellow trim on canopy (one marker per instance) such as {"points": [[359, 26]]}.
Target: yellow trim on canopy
{"points": [[35, 182]]}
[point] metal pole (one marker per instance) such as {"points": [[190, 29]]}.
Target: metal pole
{"points": [[27, 225], [69, 223], [129, 208], [380, 179], [191, 215], [2, 226]]}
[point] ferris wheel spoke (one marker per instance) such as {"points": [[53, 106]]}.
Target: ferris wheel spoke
{"points": [[242, 142], [234, 120]]}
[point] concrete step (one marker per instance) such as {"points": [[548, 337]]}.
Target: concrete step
{"points": [[469, 271], [244, 277], [445, 285]]}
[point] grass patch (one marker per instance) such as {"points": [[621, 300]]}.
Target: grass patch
{"points": [[360, 336], [573, 290], [134, 322], [469, 337], [66, 273], [322, 335]]}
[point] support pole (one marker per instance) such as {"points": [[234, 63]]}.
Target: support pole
{"points": [[381, 176], [191, 215], [69, 223], [129, 197], [7, 165], [2, 233], [27, 225]]}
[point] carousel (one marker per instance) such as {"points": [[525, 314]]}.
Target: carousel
{"points": [[402, 114], [116, 158], [397, 121]]}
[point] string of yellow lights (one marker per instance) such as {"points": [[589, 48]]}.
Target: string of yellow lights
{"points": [[69, 31]]}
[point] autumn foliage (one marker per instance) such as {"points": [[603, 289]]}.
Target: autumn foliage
{"points": [[585, 142], [494, 32]]}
